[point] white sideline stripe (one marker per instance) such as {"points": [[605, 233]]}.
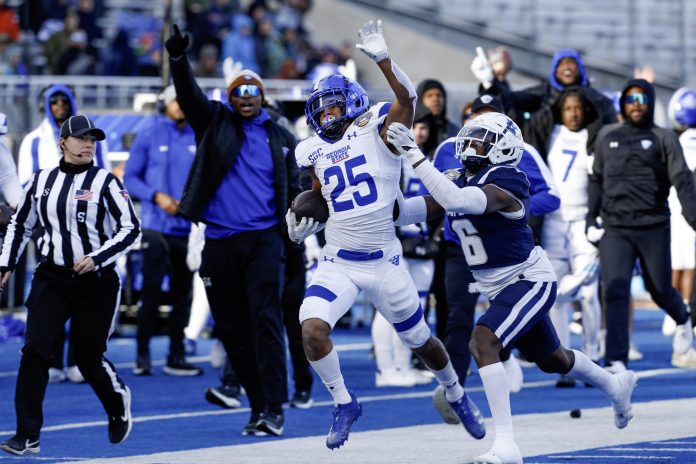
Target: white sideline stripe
{"points": [[594, 457], [201, 359], [653, 449], [363, 399]]}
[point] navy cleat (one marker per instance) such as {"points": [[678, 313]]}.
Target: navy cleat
{"points": [[470, 416], [344, 416]]}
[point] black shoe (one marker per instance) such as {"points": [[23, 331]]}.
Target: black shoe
{"points": [[143, 366], [21, 445], [302, 400], [271, 424], [565, 382], [179, 367], [250, 428], [226, 396], [120, 426]]}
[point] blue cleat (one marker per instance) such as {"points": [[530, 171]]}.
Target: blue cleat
{"points": [[470, 416], [344, 416]]}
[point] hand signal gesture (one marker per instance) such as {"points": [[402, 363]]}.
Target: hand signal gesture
{"points": [[482, 69], [373, 44], [177, 43]]}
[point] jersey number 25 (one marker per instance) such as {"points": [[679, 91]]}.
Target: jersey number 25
{"points": [[354, 179]]}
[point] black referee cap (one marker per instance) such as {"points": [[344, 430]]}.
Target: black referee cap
{"points": [[487, 101], [80, 125]]}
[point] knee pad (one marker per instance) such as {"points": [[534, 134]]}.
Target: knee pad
{"points": [[416, 336]]}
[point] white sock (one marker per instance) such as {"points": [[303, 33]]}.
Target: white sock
{"points": [[329, 370], [587, 371], [495, 384], [448, 379]]}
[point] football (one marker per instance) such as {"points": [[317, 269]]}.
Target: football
{"points": [[310, 204]]}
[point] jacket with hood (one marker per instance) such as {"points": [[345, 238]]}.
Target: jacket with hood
{"points": [[440, 128], [634, 167], [543, 121], [39, 148], [219, 138], [546, 94]]}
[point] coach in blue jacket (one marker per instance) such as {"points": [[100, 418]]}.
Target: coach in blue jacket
{"points": [[156, 171], [243, 178]]}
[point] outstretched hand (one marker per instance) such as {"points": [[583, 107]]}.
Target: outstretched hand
{"points": [[373, 43], [177, 43], [482, 69], [402, 139]]}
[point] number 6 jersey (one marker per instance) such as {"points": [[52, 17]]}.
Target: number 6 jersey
{"points": [[360, 179]]}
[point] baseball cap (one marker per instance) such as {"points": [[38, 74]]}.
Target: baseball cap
{"points": [[168, 95], [487, 101], [246, 76], [76, 126]]}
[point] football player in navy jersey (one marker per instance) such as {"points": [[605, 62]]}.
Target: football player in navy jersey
{"points": [[488, 205]]}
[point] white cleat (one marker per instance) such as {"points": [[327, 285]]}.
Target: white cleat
{"points": [[514, 374], [622, 398], [508, 453], [394, 378], [683, 338], [687, 360], [668, 326]]}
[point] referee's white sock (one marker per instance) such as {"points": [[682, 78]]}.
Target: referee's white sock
{"points": [[329, 370]]}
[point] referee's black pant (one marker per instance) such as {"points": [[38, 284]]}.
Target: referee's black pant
{"points": [[90, 302], [618, 251], [243, 277]]}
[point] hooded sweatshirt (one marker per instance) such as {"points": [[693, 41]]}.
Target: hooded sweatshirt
{"points": [[39, 148], [441, 128], [635, 164]]}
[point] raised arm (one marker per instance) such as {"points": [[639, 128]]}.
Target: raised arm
{"points": [[373, 45]]}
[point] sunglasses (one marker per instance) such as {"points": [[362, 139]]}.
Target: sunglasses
{"points": [[639, 98], [59, 98], [246, 89]]}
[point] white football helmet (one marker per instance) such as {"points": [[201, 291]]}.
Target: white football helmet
{"points": [[491, 137]]}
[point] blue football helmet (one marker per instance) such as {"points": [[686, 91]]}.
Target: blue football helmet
{"points": [[335, 90], [682, 108]]}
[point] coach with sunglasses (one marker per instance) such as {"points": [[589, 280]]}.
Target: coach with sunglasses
{"points": [[242, 180], [635, 165]]}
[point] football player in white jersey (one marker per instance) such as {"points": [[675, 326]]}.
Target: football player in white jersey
{"points": [[574, 259], [358, 175]]}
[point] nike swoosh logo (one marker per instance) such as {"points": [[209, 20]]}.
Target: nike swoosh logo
{"points": [[28, 444]]}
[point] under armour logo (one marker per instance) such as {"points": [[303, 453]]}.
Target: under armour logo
{"points": [[207, 282], [613, 144], [354, 135], [394, 260], [46, 192], [326, 258]]}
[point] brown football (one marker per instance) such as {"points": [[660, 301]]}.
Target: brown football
{"points": [[310, 204]]}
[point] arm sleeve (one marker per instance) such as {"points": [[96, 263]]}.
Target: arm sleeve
{"points": [[193, 102], [134, 174], [467, 200], [543, 194], [9, 182], [20, 228], [411, 211], [680, 177], [124, 222]]}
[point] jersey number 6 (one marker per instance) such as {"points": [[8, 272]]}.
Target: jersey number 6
{"points": [[472, 245], [353, 179]]}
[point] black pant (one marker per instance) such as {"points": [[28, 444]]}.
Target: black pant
{"points": [[438, 288], [462, 308], [618, 251], [293, 294], [90, 302], [164, 254], [242, 276], [58, 351]]}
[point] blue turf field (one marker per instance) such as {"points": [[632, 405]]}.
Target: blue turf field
{"points": [[171, 415]]}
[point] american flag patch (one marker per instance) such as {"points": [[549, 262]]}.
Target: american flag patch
{"points": [[83, 194], [124, 194]]}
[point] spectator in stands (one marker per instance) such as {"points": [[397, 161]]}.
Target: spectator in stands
{"points": [[239, 43], [208, 64], [269, 47], [70, 39], [635, 164], [39, 150], [241, 183], [433, 95], [120, 60], [9, 22], [159, 163], [10, 57], [567, 69]]}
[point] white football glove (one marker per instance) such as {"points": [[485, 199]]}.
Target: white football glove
{"points": [[298, 231], [373, 43], [482, 69], [402, 138], [595, 234]]}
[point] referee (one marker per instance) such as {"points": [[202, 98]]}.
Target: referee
{"points": [[88, 221]]}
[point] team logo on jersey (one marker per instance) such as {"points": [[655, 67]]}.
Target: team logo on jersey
{"points": [[316, 154], [394, 260], [83, 195], [613, 144], [646, 144], [338, 155], [326, 258], [354, 135], [207, 281], [363, 120], [124, 194]]}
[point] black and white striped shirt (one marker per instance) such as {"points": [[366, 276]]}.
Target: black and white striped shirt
{"points": [[83, 210]]}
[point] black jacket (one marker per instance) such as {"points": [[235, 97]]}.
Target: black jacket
{"points": [[634, 167], [219, 137]]}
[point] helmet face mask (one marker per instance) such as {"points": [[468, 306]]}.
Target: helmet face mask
{"points": [[331, 92], [491, 138]]}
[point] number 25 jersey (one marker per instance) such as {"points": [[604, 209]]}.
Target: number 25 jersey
{"points": [[360, 179]]}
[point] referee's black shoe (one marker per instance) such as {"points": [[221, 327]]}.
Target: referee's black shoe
{"points": [[21, 445], [179, 367], [120, 425]]}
